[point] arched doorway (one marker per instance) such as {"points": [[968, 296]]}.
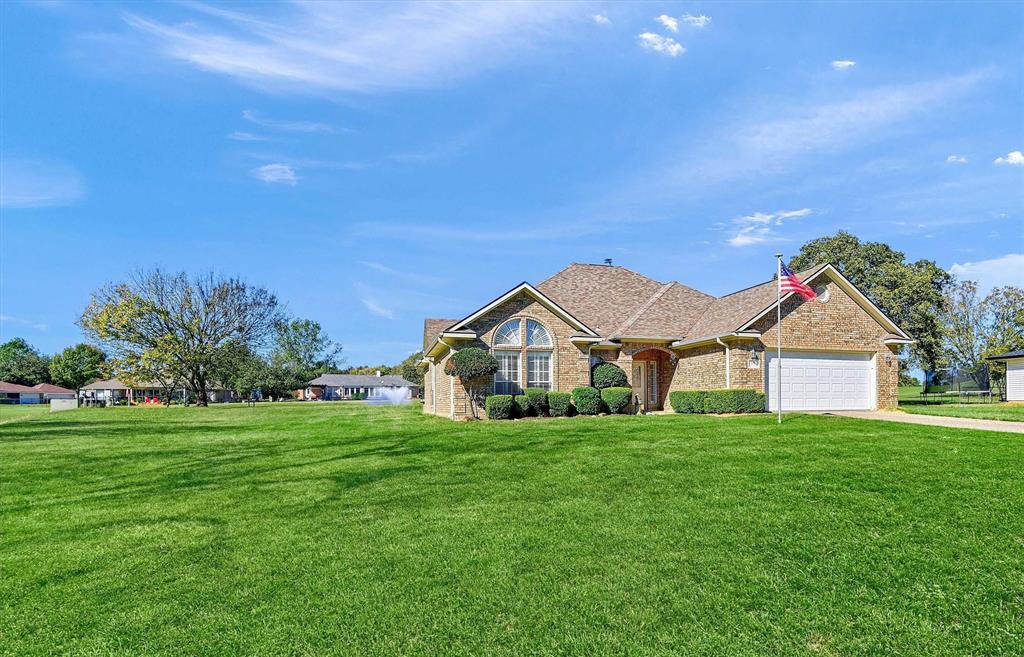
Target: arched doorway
{"points": [[650, 377]]}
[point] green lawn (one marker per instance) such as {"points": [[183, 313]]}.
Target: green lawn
{"points": [[911, 402], [320, 529]]}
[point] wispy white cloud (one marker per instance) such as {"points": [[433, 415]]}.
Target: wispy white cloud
{"points": [[956, 159], [843, 64], [696, 21], [1013, 158], [761, 227], [38, 326], [657, 43], [601, 19], [276, 173], [670, 23], [26, 183], [378, 309], [994, 272], [351, 47], [246, 136], [286, 125]]}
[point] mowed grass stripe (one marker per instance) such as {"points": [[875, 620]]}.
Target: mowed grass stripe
{"points": [[354, 530]]}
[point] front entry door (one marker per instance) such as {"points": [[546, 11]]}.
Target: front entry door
{"points": [[640, 382]]}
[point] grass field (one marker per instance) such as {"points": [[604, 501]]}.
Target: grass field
{"points": [[911, 402], [343, 529]]}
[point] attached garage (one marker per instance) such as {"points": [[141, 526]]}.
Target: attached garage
{"points": [[821, 381]]}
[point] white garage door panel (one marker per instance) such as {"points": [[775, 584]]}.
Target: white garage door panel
{"points": [[822, 381]]}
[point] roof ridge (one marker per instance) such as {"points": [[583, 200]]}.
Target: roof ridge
{"points": [[644, 307]]}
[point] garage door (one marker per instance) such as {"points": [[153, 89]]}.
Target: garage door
{"points": [[822, 381]]}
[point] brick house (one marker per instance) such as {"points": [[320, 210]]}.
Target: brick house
{"points": [[840, 351]]}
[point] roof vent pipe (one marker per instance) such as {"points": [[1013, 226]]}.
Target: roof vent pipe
{"points": [[608, 261]]}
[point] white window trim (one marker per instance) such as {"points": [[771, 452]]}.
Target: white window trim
{"points": [[551, 367], [518, 354]]}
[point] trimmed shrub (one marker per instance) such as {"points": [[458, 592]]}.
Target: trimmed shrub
{"points": [[537, 400], [559, 404], [617, 398], [687, 401], [521, 407], [587, 400], [608, 375], [500, 407], [738, 400]]}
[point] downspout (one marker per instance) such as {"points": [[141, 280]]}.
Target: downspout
{"points": [[728, 367]]}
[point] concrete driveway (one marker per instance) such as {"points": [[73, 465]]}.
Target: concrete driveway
{"points": [[935, 420]]}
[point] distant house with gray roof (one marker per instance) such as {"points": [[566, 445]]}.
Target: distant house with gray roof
{"points": [[350, 386]]}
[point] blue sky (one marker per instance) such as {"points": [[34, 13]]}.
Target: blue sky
{"points": [[376, 164]]}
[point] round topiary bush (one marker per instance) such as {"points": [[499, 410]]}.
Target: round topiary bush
{"points": [[500, 407], [537, 401], [587, 401], [617, 398], [609, 375], [559, 404], [473, 365]]}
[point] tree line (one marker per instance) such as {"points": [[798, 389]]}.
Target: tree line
{"points": [[192, 332]]}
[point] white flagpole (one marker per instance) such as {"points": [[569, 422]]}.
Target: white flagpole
{"points": [[778, 332]]}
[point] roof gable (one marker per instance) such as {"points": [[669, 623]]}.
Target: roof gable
{"points": [[540, 297], [854, 293]]}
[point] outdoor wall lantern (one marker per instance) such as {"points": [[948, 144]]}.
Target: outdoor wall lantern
{"points": [[888, 359], [752, 360]]}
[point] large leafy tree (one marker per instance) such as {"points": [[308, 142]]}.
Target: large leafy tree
{"points": [[302, 347], [77, 365], [911, 293], [180, 324], [965, 328], [21, 363], [1003, 315]]}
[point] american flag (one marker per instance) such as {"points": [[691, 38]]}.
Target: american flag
{"points": [[788, 282]]}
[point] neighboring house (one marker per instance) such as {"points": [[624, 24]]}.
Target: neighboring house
{"points": [[1014, 374], [112, 391], [346, 386], [15, 393], [50, 391], [839, 351]]}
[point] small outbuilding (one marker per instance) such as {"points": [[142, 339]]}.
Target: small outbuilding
{"points": [[1014, 373]]}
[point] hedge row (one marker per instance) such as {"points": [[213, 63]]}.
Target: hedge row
{"points": [[536, 402], [739, 400]]}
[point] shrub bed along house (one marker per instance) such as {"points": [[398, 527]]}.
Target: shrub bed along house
{"points": [[608, 375], [587, 400], [500, 407], [559, 404], [617, 398], [739, 400]]}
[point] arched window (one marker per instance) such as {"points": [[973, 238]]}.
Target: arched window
{"points": [[537, 335], [507, 334]]}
